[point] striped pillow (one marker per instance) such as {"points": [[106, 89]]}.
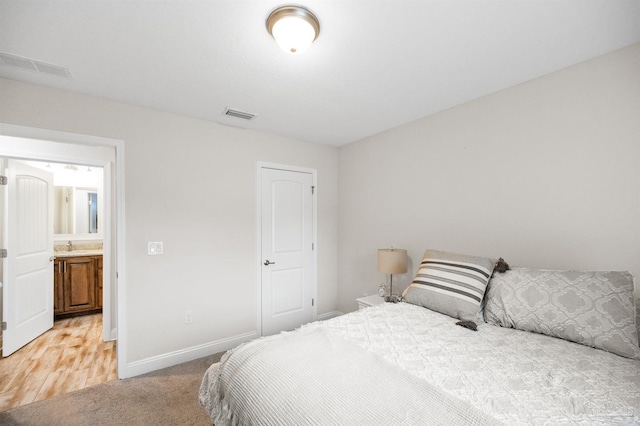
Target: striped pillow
{"points": [[449, 283]]}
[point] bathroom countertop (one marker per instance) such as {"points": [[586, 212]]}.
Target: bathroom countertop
{"points": [[78, 248], [75, 253]]}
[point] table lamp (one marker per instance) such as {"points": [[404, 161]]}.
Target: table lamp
{"points": [[392, 261]]}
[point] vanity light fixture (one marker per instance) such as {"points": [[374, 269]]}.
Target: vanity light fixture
{"points": [[293, 27]]}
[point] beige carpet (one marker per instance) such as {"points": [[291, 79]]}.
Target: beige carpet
{"points": [[164, 397]]}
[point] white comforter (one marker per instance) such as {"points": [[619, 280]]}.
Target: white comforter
{"points": [[516, 377]]}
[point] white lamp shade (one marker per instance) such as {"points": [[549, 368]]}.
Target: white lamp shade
{"points": [[392, 261], [293, 34]]}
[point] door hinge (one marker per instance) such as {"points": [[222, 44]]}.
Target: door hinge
{"points": [[4, 326], [313, 301], [3, 180], [3, 253], [313, 190]]}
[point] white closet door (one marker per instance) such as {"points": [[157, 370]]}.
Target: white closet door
{"points": [[287, 253]]}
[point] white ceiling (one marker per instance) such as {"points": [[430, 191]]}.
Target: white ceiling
{"points": [[377, 64]]}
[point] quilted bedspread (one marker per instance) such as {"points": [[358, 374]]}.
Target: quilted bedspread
{"points": [[515, 377]]}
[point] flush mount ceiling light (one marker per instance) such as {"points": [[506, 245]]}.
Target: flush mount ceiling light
{"points": [[293, 27]]}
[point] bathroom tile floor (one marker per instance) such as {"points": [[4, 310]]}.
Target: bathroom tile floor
{"points": [[68, 357]]}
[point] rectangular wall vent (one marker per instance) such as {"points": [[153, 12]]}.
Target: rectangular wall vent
{"points": [[239, 114], [33, 65]]}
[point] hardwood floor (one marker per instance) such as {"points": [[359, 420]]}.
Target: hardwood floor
{"points": [[68, 357]]}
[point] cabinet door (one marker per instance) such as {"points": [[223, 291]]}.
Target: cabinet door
{"points": [[79, 284], [57, 286], [99, 281]]}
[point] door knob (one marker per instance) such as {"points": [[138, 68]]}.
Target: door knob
{"points": [[267, 263]]}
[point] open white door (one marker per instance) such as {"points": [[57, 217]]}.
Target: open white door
{"points": [[288, 269], [28, 267]]}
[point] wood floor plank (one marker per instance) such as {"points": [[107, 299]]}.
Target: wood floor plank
{"points": [[23, 396], [52, 385], [81, 358], [67, 358], [6, 400], [113, 375], [50, 359], [17, 380], [8, 383], [12, 362], [32, 385], [35, 379], [64, 335], [79, 336], [75, 380], [40, 348], [28, 366], [86, 359], [100, 364]]}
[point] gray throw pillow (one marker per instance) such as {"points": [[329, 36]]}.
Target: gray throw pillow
{"points": [[596, 309], [450, 283]]}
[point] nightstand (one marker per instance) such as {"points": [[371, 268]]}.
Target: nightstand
{"points": [[365, 302]]}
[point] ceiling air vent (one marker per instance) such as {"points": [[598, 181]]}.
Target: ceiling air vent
{"points": [[33, 65], [239, 114]]}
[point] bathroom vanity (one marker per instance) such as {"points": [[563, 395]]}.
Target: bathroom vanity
{"points": [[77, 283]]}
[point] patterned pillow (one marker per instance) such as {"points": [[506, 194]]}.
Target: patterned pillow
{"points": [[450, 283], [591, 308]]}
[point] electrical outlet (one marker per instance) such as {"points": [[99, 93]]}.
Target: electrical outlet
{"points": [[188, 317]]}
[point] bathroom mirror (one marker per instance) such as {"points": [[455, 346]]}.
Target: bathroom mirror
{"points": [[75, 210], [78, 200]]}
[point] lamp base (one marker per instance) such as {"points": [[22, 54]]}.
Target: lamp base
{"points": [[392, 299]]}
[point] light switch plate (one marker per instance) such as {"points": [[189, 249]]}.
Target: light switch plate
{"points": [[154, 248]]}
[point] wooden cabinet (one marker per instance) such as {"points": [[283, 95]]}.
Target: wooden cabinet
{"points": [[77, 285]]}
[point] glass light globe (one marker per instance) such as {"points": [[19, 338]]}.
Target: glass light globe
{"points": [[293, 34]]}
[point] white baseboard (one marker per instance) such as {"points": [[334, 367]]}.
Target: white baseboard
{"points": [[114, 333], [188, 354], [329, 315], [157, 362]]}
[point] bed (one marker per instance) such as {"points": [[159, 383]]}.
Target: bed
{"points": [[405, 363]]}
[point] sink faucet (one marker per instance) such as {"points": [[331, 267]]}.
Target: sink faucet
{"points": [[69, 246]]}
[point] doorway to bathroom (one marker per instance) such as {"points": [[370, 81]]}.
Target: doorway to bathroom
{"points": [[76, 362]]}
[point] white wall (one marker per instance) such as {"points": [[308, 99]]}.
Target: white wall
{"points": [[545, 174], [191, 184]]}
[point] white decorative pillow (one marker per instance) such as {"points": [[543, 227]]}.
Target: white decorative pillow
{"points": [[596, 309], [450, 283]]}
